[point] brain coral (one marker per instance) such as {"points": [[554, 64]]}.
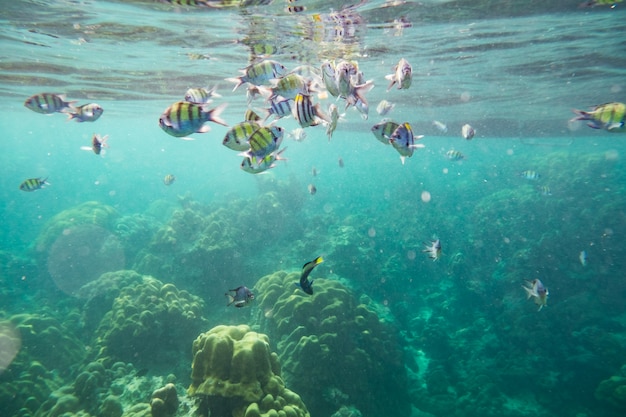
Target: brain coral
{"points": [[334, 350], [149, 324], [235, 373]]}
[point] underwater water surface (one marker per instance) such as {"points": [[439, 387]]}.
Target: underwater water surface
{"points": [[120, 266]]}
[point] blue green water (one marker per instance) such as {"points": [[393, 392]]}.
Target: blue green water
{"points": [[457, 336]]}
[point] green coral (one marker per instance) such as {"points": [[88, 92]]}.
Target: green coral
{"points": [[331, 330], [235, 373], [149, 324], [613, 391], [88, 213]]}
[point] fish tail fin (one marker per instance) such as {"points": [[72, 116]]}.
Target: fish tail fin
{"points": [[214, 115], [231, 299], [213, 92], [580, 115], [361, 90], [321, 113], [237, 80]]}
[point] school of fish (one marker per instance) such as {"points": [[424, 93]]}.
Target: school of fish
{"points": [[275, 92]]}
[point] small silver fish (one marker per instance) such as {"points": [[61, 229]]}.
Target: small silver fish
{"points": [[440, 126], [312, 189], [201, 95], [467, 132], [402, 75], [86, 113], [537, 291], [433, 249], [384, 107], [582, 257], [297, 134]]}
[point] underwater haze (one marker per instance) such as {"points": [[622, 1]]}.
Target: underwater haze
{"points": [[457, 253]]}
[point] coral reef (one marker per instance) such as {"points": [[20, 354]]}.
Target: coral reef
{"points": [[149, 324], [88, 213], [612, 391], [235, 374], [81, 254], [331, 330], [164, 401]]}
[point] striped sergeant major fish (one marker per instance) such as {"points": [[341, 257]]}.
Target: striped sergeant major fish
{"points": [[609, 116], [33, 184], [183, 118], [306, 113], [48, 103]]}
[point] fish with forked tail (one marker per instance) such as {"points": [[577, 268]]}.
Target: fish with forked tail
{"points": [[240, 298], [537, 291], [305, 284]]}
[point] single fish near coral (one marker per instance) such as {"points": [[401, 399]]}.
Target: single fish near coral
{"points": [[48, 103], [545, 190], [384, 107], [530, 175], [169, 179], [305, 284], [433, 249], [467, 132], [402, 75], [537, 291], [609, 116], [312, 189], [582, 257], [259, 73], [86, 113], [240, 296], [201, 95], [184, 118], [33, 184]]}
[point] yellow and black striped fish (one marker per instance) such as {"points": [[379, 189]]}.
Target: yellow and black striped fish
{"points": [[264, 141], [237, 137], [306, 113], [47, 103], [33, 184], [609, 116], [251, 116], [183, 118], [201, 95], [259, 73]]}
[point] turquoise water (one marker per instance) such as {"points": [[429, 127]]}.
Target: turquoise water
{"points": [[84, 330]]}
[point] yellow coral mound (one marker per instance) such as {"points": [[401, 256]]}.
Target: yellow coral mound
{"points": [[237, 373]]}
